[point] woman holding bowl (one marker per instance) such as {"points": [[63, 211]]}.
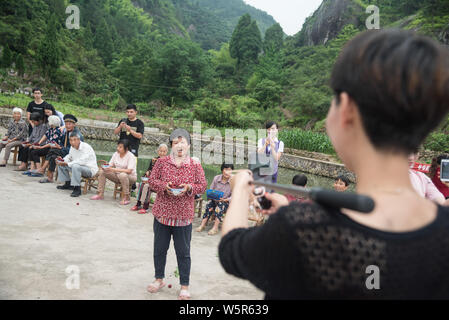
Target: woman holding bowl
{"points": [[120, 169], [176, 178]]}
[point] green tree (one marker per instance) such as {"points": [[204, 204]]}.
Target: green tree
{"points": [[268, 93], [20, 65], [181, 69], [6, 57], [274, 39], [246, 41], [223, 62], [88, 37], [49, 51], [103, 42]]}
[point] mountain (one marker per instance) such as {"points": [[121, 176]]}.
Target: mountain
{"points": [[211, 22], [311, 53], [425, 16], [207, 22]]}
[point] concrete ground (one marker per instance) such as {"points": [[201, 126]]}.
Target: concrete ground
{"points": [[43, 231]]}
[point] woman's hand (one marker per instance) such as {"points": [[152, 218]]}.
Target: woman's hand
{"points": [[277, 201], [109, 169], [147, 174], [242, 181], [186, 187], [168, 189], [267, 142]]}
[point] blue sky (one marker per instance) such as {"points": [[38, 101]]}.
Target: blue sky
{"points": [[291, 14]]}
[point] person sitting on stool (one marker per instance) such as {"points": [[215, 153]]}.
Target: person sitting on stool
{"points": [[81, 161]]}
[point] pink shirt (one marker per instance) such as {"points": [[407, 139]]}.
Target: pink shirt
{"points": [[127, 162], [424, 186], [176, 210]]}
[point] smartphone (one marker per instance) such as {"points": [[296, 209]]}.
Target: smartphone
{"points": [[444, 170]]}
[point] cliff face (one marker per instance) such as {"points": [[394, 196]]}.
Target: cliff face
{"points": [[328, 20]]}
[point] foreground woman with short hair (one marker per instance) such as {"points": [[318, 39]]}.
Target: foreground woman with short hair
{"points": [[391, 90]]}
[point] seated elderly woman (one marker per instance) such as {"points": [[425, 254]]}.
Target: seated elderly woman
{"points": [[16, 134], [121, 169], [39, 129], [144, 189], [52, 139], [218, 207]]}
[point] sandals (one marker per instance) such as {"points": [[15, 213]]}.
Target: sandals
{"points": [[199, 229], [97, 197], [135, 208], [125, 202], [45, 180], [142, 211], [184, 295], [36, 174], [212, 232], [155, 286]]}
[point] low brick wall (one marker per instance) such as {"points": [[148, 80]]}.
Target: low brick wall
{"points": [[100, 130]]}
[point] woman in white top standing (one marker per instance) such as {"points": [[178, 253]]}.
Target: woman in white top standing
{"points": [[271, 146], [121, 169]]}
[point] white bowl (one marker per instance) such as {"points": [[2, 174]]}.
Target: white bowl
{"points": [[176, 191]]}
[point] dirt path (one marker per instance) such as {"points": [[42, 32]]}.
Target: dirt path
{"points": [[43, 231]]}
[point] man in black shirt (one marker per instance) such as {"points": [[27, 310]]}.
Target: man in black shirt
{"points": [[35, 106], [131, 129]]}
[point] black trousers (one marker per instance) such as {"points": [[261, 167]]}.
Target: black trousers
{"points": [[181, 239], [24, 154], [36, 154], [51, 158]]}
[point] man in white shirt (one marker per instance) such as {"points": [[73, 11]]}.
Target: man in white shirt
{"points": [[81, 161]]}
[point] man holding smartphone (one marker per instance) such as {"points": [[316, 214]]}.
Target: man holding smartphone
{"points": [[131, 129]]}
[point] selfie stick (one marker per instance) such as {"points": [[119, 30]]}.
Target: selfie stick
{"points": [[325, 197], [347, 200]]}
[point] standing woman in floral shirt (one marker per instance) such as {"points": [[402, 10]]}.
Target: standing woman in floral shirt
{"points": [[176, 178]]}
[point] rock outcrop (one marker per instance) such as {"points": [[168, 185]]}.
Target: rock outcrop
{"points": [[328, 20]]}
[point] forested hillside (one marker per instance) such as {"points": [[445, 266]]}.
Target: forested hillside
{"points": [[221, 62]]}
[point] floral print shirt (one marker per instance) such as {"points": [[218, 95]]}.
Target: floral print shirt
{"points": [[18, 130], [55, 135], [176, 210]]}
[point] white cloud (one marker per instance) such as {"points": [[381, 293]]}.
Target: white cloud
{"points": [[291, 14]]}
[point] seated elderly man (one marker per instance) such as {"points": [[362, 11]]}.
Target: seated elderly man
{"points": [[81, 161], [16, 134], [62, 150]]}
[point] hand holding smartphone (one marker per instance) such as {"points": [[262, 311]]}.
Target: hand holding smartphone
{"points": [[444, 170]]}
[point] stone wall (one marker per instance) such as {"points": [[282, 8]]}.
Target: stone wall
{"points": [[100, 130]]}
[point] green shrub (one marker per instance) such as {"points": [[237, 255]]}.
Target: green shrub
{"points": [[184, 114], [306, 140], [437, 142]]}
